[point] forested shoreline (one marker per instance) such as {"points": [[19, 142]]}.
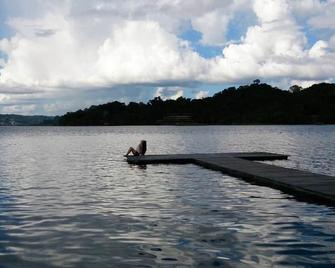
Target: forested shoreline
{"points": [[257, 103]]}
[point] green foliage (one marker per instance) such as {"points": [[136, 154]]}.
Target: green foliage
{"points": [[295, 89], [251, 104], [26, 120], [256, 82]]}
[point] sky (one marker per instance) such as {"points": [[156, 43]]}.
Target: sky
{"points": [[62, 55]]}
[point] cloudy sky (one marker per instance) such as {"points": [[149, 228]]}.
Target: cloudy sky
{"points": [[61, 55]]}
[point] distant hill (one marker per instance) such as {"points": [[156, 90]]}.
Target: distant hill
{"points": [[25, 120], [250, 104]]}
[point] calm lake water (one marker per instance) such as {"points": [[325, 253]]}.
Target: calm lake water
{"points": [[68, 199]]}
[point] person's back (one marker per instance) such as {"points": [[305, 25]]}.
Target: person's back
{"points": [[140, 149]]}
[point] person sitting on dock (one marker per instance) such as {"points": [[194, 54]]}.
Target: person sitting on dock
{"points": [[140, 149]]}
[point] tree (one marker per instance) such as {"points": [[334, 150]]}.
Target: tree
{"points": [[295, 88], [249, 104], [256, 82]]}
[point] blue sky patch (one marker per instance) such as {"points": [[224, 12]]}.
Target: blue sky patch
{"points": [[194, 37], [239, 24]]}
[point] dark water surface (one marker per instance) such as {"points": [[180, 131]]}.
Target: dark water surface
{"points": [[68, 199]]}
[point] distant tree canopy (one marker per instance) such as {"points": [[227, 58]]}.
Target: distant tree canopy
{"points": [[25, 120], [295, 89], [256, 82], [257, 103]]}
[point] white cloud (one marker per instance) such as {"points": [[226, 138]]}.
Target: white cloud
{"points": [[135, 52], [3, 98], [307, 7], [143, 52], [201, 94], [318, 13], [275, 48], [71, 46], [332, 42], [271, 10], [319, 49], [212, 20], [19, 109], [325, 21], [323, 15], [307, 83], [2, 63], [166, 93]]}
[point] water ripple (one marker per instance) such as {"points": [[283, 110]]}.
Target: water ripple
{"points": [[67, 199]]}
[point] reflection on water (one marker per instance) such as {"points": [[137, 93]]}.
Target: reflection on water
{"points": [[67, 199]]}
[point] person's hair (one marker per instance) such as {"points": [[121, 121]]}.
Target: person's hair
{"points": [[143, 147]]}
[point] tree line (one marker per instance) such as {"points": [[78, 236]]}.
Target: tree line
{"points": [[257, 103]]}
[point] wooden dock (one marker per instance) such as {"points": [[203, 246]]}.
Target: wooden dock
{"points": [[306, 185]]}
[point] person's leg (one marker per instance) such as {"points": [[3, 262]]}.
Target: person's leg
{"points": [[132, 150]]}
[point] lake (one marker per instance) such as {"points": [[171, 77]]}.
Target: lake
{"points": [[68, 199]]}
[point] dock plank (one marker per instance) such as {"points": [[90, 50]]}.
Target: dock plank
{"points": [[301, 183], [173, 158]]}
